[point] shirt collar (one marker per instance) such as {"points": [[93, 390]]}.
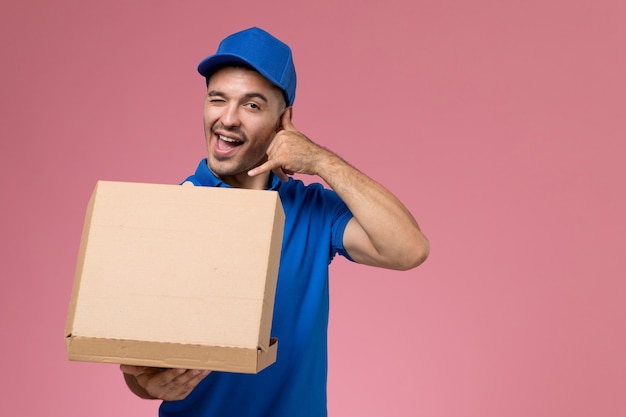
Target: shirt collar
{"points": [[206, 177]]}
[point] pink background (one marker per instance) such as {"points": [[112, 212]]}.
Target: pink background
{"points": [[500, 124]]}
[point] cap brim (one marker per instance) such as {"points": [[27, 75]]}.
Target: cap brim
{"points": [[209, 65]]}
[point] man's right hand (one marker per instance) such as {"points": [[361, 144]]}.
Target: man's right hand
{"points": [[159, 383]]}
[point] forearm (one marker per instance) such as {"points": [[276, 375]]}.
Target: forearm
{"points": [[383, 232], [395, 237]]}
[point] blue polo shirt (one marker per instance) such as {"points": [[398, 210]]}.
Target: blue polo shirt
{"points": [[315, 219]]}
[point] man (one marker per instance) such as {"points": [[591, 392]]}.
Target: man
{"points": [[252, 143]]}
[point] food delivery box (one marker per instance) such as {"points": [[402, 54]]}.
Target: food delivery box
{"points": [[176, 277]]}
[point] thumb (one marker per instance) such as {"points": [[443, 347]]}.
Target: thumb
{"points": [[131, 370]]}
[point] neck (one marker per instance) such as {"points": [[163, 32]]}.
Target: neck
{"points": [[243, 180]]}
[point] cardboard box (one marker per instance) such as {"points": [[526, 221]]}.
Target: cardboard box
{"points": [[177, 277]]}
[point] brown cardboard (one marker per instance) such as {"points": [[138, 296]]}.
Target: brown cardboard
{"points": [[176, 276]]}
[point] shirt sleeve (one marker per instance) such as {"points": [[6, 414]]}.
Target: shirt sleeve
{"points": [[339, 227], [340, 219]]}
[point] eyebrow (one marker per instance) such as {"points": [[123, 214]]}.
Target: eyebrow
{"points": [[252, 94]]}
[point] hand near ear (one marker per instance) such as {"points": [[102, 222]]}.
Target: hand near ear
{"points": [[291, 152]]}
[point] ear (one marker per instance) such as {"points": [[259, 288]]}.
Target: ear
{"points": [[279, 124]]}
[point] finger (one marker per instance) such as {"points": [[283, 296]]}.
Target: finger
{"points": [[182, 385], [265, 167], [199, 376], [128, 369], [281, 174], [133, 370], [192, 377], [162, 384], [169, 375]]}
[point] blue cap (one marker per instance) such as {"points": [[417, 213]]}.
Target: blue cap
{"points": [[260, 50]]}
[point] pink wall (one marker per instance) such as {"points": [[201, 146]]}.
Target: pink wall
{"points": [[501, 124]]}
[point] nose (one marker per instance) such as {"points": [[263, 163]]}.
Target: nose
{"points": [[230, 115]]}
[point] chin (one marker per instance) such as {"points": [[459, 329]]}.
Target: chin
{"points": [[223, 169]]}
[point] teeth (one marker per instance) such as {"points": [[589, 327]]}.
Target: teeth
{"points": [[227, 139]]}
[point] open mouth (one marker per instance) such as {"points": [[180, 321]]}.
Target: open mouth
{"points": [[226, 143]]}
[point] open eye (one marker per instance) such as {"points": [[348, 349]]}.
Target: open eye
{"points": [[253, 106]]}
